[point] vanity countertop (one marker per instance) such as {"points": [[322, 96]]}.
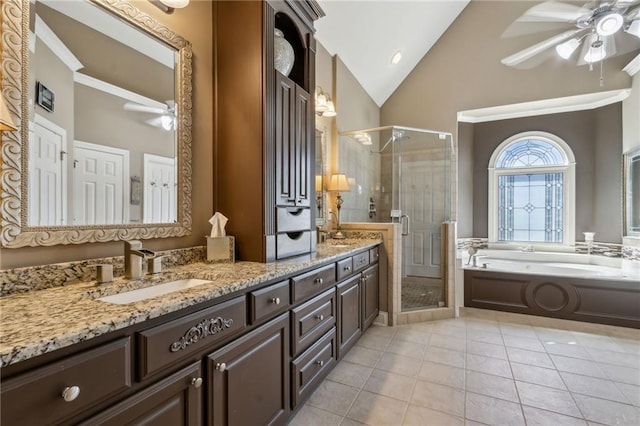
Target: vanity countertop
{"points": [[41, 321]]}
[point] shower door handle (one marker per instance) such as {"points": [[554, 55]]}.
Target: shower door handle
{"points": [[406, 224]]}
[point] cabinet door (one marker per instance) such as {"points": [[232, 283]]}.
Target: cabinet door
{"points": [[304, 147], [285, 141], [249, 378], [349, 314], [175, 400], [369, 296]]}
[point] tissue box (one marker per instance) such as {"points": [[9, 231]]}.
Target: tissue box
{"points": [[221, 249]]}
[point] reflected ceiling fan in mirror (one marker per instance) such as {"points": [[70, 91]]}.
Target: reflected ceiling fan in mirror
{"points": [[166, 114], [598, 30]]}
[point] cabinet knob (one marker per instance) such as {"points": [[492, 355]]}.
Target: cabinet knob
{"points": [[196, 382], [70, 393], [347, 268], [320, 363], [221, 366], [318, 281], [275, 300], [320, 317]]}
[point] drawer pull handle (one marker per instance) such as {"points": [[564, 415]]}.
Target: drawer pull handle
{"points": [[320, 363], [70, 393], [346, 268], [275, 300], [221, 366], [320, 317], [318, 280], [196, 382]]}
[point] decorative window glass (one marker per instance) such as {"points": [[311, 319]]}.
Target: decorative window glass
{"points": [[529, 189]]}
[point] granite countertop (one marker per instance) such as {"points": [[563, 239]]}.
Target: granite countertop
{"points": [[41, 321]]}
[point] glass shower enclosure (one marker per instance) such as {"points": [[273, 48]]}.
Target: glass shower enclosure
{"points": [[403, 175]]}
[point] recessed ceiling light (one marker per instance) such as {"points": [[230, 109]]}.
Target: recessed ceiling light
{"points": [[396, 57]]}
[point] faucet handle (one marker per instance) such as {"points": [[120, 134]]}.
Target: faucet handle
{"points": [[104, 273]]}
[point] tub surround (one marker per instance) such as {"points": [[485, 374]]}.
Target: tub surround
{"points": [[45, 319], [598, 248]]}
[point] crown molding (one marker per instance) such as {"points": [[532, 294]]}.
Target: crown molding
{"points": [[633, 67]]}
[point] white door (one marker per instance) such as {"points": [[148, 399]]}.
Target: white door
{"points": [[160, 201], [47, 173], [100, 184], [422, 195]]}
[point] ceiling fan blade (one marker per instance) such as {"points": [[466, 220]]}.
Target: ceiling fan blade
{"points": [[553, 12], [534, 50], [132, 106]]}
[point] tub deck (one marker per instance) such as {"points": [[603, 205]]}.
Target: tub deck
{"points": [[575, 291]]}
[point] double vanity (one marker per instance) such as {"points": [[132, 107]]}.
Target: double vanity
{"points": [[245, 346]]}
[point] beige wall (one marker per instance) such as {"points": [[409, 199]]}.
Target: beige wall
{"points": [[463, 71], [193, 23]]}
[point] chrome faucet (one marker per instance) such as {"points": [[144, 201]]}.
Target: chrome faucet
{"points": [[133, 255]]}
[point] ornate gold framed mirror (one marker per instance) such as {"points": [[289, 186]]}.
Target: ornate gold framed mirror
{"points": [[101, 95]]}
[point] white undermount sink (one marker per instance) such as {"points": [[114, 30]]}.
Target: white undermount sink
{"points": [[153, 291]]}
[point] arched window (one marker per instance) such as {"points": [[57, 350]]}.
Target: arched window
{"points": [[532, 190]]}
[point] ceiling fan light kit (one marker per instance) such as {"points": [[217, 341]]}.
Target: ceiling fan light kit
{"points": [[597, 26], [566, 49]]}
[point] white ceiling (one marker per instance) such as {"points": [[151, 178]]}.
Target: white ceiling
{"points": [[365, 34]]}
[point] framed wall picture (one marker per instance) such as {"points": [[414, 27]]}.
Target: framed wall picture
{"points": [[44, 97]]}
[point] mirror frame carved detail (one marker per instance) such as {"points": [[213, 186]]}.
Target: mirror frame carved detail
{"points": [[15, 231]]}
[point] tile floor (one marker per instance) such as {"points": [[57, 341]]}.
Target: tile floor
{"points": [[477, 370]]}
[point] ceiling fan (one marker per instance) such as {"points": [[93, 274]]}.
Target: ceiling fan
{"points": [[166, 114], [603, 28]]}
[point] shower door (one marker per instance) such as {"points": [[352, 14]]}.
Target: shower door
{"points": [[421, 175], [421, 233]]}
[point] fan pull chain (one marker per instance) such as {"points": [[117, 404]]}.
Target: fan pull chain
{"points": [[601, 73]]}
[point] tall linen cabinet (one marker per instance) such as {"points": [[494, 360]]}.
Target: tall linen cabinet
{"points": [[264, 127]]}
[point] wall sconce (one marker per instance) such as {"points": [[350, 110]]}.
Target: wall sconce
{"points": [[168, 6], [6, 122], [339, 183], [324, 104]]}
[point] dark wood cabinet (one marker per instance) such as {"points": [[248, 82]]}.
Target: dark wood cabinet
{"points": [[248, 379], [61, 390], [349, 314], [175, 400], [248, 359], [292, 144], [264, 123], [370, 300]]}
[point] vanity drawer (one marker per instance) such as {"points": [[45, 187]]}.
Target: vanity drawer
{"points": [[345, 268], [312, 366], [98, 374], [292, 243], [374, 255], [313, 282], [293, 219], [360, 261], [165, 344], [269, 301], [312, 319]]}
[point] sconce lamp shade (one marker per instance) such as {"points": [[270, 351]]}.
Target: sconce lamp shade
{"points": [[318, 183], [339, 183], [168, 6], [6, 123]]}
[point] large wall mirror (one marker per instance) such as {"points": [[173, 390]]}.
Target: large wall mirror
{"points": [[632, 193], [102, 96]]}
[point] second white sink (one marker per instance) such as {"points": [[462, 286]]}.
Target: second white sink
{"points": [[152, 291]]}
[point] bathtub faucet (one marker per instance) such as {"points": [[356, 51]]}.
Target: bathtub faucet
{"points": [[475, 258], [527, 249]]}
